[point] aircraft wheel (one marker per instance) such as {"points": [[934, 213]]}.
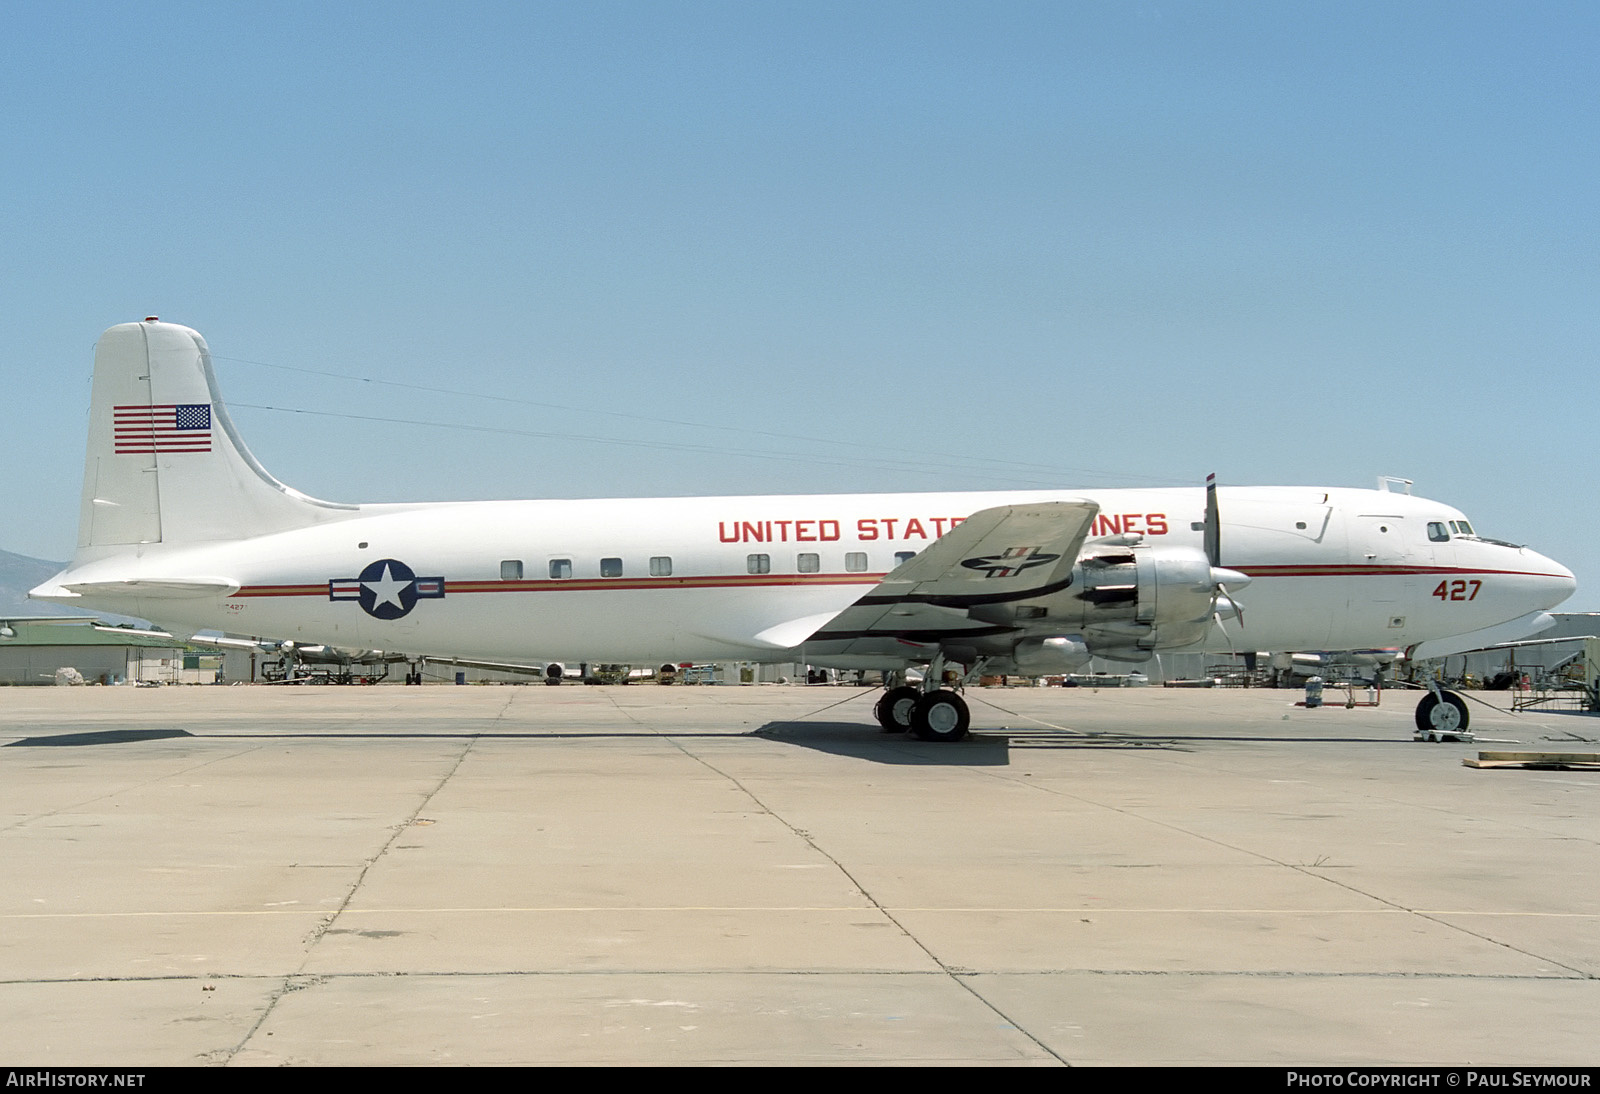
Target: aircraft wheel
{"points": [[940, 716], [1442, 713], [893, 710]]}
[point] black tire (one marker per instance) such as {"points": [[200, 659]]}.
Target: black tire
{"points": [[893, 709], [940, 716], [1442, 713]]}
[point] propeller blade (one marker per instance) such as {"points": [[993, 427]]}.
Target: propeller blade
{"points": [[1213, 524], [1216, 617], [1220, 578], [1225, 602]]}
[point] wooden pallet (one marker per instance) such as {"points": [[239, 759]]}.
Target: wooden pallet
{"points": [[1546, 761]]}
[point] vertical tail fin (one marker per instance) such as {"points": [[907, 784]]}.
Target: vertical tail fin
{"points": [[164, 462]]}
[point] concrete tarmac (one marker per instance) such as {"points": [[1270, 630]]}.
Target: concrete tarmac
{"points": [[757, 875]]}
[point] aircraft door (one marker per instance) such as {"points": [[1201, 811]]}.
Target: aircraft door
{"points": [[1389, 551]]}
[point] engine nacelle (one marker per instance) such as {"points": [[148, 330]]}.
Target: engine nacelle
{"points": [[1175, 585], [1121, 604], [1174, 593], [1048, 656]]}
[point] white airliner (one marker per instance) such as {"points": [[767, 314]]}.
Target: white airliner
{"points": [[180, 524]]}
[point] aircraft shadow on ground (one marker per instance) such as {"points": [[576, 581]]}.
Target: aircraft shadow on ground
{"points": [[983, 748], [864, 741], [98, 737], [993, 747]]}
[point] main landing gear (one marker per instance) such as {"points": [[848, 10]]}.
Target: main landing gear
{"points": [[894, 708], [938, 714]]}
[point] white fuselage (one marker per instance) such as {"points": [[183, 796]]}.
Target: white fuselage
{"points": [[1330, 569]]}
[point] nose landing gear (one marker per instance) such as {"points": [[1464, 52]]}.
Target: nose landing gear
{"points": [[1442, 715]]}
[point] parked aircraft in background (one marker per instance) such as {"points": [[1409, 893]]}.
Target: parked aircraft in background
{"points": [[180, 524]]}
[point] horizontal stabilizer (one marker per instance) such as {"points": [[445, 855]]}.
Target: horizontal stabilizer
{"points": [[169, 587]]}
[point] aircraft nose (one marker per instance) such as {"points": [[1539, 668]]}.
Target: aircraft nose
{"points": [[1556, 582]]}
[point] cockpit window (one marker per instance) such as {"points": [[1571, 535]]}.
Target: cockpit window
{"points": [[1438, 532], [1461, 528]]}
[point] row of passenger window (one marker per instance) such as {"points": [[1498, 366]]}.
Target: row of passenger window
{"points": [[806, 562], [511, 568], [809, 562]]}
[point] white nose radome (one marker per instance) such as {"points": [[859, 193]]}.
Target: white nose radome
{"points": [[1554, 581]]}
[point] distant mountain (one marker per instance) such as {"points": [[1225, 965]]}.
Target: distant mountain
{"points": [[18, 574]]}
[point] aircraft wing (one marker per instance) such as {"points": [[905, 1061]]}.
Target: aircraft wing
{"points": [[993, 558], [1511, 631]]}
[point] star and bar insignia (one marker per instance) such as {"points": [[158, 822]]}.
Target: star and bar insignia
{"points": [[386, 589]]}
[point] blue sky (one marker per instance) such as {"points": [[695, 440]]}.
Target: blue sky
{"points": [[655, 248]]}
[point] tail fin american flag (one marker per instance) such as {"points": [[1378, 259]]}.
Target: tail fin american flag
{"points": [[173, 427]]}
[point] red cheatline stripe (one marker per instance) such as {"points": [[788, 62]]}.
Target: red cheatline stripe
{"points": [[737, 581], [744, 581], [1374, 571], [728, 580], [283, 590]]}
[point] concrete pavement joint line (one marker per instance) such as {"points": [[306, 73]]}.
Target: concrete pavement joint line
{"points": [[591, 909], [297, 980], [302, 980], [958, 978], [25, 821], [1087, 734], [1307, 871], [1434, 918], [1169, 739]]}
